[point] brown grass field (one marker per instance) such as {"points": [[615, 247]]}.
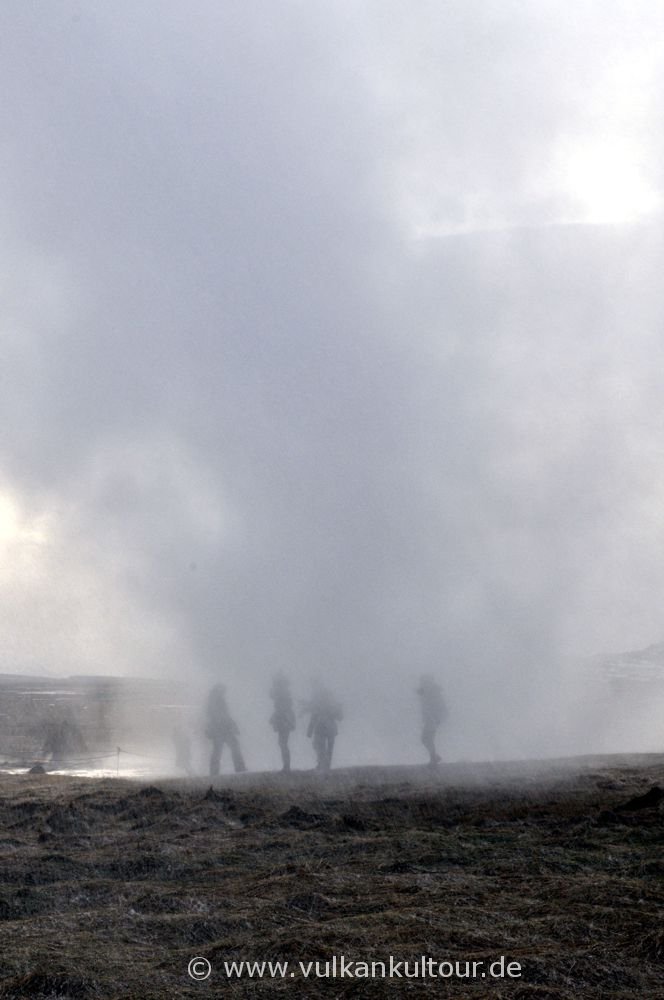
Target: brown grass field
{"points": [[108, 888]]}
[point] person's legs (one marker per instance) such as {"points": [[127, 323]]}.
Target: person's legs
{"points": [[319, 747], [328, 752], [215, 758], [428, 739], [285, 752], [238, 760]]}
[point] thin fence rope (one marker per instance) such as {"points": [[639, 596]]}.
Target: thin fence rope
{"points": [[19, 757]]}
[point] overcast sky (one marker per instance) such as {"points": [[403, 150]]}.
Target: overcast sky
{"points": [[331, 339]]}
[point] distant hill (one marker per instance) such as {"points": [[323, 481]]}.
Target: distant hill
{"points": [[623, 699], [641, 667]]}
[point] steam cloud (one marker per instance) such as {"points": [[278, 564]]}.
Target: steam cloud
{"points": [[331, 343]]}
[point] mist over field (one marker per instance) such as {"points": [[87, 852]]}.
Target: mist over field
{"points": [[330, 343]]}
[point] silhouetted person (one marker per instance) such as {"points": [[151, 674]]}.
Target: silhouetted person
{"points": [[434, 711], [222, 729], [282, 719], [63, 740], [326, 713]]}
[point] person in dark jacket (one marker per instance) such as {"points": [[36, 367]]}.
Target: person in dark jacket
{"points": [[326, 713], [282, 719], [434, 712], [222, 729]]}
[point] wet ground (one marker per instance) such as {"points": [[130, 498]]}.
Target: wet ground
{"points": [[108, 888]]}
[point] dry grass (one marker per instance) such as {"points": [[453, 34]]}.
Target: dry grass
{"points": [[107, 889]]}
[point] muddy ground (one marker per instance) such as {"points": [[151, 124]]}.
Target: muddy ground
{"points": [[109, 888]]}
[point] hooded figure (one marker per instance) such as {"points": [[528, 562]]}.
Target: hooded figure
{"points": [[434, 711], [221, 729], [325, 712], [282, 719]]}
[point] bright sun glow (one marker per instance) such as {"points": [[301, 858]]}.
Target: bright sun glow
{"points": [[604, 180], [15, 528], [597, 179]]}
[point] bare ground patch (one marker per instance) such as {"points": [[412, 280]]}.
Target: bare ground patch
{"points": [[108, 888]]}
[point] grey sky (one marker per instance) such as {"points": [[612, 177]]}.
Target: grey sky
{"points": [[331, 340]]}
